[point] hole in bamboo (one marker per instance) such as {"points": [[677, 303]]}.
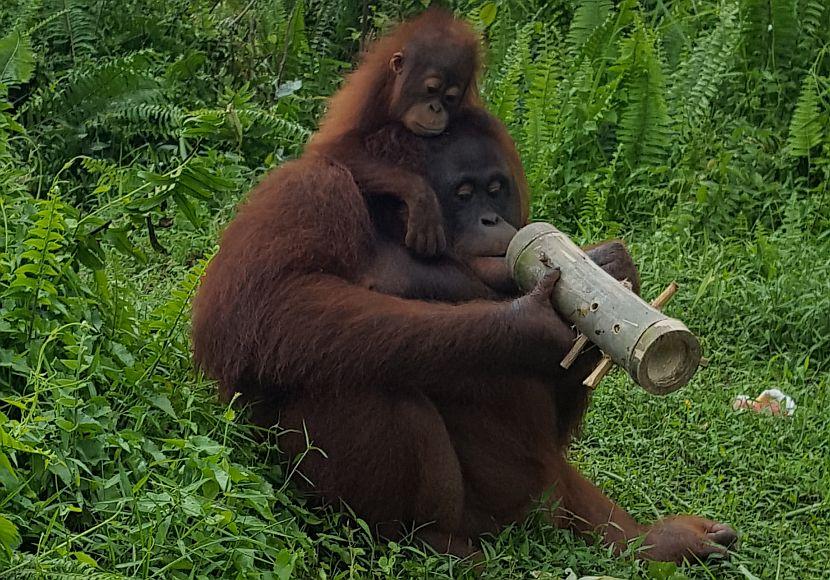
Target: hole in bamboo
{"points": [[616, 328], [594, 306]]}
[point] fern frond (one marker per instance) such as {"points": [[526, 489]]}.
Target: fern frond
{"points": [[331, 24], [251, 122], [806, 130], [785, 31], [39, 266], [293, 45], [158, 120], [163, 325], [107, 173], [502, 89], [260, 122], [588, 16], [601, 42], [112, 84], [99, 167], [541, 106], [771, 31], [697, 82], [165, 315], [73, 31], [593, 212], [814, 16], [675, 30], [297, 38], [643, 130], [195, 179]]}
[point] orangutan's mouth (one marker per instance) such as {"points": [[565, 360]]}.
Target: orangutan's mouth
{"points": [[425, 131]]}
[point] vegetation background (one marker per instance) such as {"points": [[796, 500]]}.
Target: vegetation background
{"points": [[699, 130]]}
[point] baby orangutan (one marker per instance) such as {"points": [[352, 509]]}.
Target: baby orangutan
{"points": [[421, 77]]}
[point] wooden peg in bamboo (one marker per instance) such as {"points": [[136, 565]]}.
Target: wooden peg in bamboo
{"points": [[582, 341]]}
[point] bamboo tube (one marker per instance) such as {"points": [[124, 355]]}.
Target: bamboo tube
{"points": [[605, 364], [659, 352]]}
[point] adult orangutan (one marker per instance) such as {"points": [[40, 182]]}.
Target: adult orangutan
{"points": [[433, 389], [418, 78]]}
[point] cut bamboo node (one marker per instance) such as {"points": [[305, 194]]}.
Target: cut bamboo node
{"points": [[667, 355]]}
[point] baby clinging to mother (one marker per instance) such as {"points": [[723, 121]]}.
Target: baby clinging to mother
{"points": [[360, 299]]}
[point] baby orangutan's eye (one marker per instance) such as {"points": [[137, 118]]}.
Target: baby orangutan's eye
{"points": [[494, 187], [451, 95], [432, 86], [465, 191]]}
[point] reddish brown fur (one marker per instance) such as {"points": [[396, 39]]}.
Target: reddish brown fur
{"points": [[428, 412], [362, 107], [362, 104], [451, 416]]}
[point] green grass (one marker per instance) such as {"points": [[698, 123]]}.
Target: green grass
{"points": [[684, 453], [699, 130]]}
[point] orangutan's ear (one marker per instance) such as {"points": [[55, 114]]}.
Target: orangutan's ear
{"points": [[396, 63]]}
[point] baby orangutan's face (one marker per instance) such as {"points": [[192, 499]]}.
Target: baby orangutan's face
{"points": [[427, 94]]}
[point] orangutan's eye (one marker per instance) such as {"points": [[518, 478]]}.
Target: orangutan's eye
{"points": [[464, 191], [451, 95]]}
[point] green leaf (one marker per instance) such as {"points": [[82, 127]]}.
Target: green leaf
{"points": [[118, 238], [487, 14], [85, 559], [17, 61], [187, 66], [221, 477], [644, 124], [90, 254], [661, 570], [10, 442], [8, 478], [284, 564], [187, 209], [163, 403], [747, 574], [9, 536]]}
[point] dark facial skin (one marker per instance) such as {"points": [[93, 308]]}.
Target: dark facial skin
{"points": [[482, 211], [477, 194], [428, 90]]}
